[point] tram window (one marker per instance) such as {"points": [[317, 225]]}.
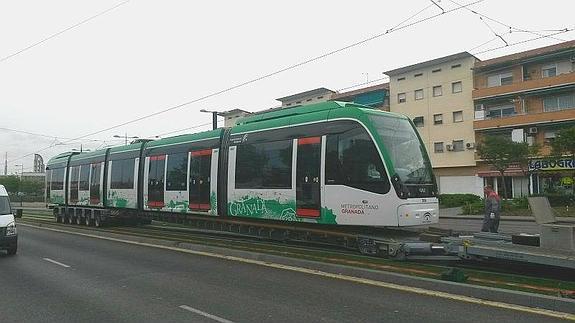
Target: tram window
{"points": [[57, 182], [95, 182], [84, 177], [353, 160], [177, 175], [74, 175], [122, 174], [264, 165], [48, 182]]}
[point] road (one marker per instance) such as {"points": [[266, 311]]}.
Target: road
{"points": [[59, 277]]}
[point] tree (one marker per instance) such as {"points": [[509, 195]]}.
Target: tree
{"points": [[564, 145], [12, 183], [500, 152]]}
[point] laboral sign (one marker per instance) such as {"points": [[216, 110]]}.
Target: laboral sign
{"points": [[553, 164]]}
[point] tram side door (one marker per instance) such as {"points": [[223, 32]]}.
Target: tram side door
{"points": [[308, 169], [156, 174], [200, 173]]}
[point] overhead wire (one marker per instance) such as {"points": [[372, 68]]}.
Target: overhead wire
{"points": [[483, 44], [493, 31], [291, 67], [504, 24], [282, 70], [39, 134], [522, 42], [62, 31]]}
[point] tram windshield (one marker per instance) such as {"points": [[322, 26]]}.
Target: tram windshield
{"points": [[405, 149]]}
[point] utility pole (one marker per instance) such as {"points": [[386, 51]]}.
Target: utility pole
{"points": [[20, 183], [214, 118], [6, 164], [125, 136]]}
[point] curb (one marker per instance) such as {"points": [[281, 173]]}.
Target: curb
{"points": [[489, 294], [503, 218]]}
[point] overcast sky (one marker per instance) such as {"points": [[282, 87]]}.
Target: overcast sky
{"points": [[146, 56]]}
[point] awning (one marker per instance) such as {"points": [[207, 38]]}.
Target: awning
{"points": [[494, 173]]}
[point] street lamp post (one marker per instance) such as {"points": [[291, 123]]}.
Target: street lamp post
{"points": [[20, 182], [125, 136], [214, 118]]}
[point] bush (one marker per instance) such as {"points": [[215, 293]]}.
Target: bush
{"points": [[516, 206], [474, 208], [456, 200], [556, 199]]}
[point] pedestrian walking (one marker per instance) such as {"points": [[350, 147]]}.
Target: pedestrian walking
{"points": [[492, 210]]}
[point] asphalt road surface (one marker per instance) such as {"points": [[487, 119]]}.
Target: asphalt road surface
{"points": [[58, 277]]}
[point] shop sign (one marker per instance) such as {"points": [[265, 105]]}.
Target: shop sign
{"points": [[554, 164]]}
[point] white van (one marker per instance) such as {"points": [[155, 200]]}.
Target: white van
{"points": [[8, 234]]}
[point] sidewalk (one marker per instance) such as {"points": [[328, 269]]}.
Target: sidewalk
{"points": [[504, 218]]}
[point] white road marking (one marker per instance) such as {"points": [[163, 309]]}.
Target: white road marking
{"points": [[56, 262], [204, 314], [414, 290]]}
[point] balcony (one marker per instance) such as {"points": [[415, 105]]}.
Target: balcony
{"points": [[524, 86], [524, 119]]}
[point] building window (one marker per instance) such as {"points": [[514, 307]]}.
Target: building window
{"points": [[456, 87], [500, 111], [264, 165], [438, 147], [436, 70], [438, 118], [122, 174], [549, 135], [320, 97], [418, 121], [177, 172], [298, 102], [458, 116], [500, 79], [419, 94], [418, 75], [456, 66], [437, 90], [307, 100], [400, 79], [287, 105], [559, 102], [458, 145], [401, 98], [549, 70]]}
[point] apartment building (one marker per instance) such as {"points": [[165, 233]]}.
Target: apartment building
{"points": [[308, 97], [231, 116], [375, 96], [527, 96], [437, 96]]}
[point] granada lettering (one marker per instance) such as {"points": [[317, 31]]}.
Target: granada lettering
{"points": [[250, 208], [358, 209]]}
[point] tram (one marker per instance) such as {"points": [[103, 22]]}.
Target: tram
{"points": [[330, 163]]}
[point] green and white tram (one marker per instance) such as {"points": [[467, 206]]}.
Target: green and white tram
{"points": [[327, 163]]}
